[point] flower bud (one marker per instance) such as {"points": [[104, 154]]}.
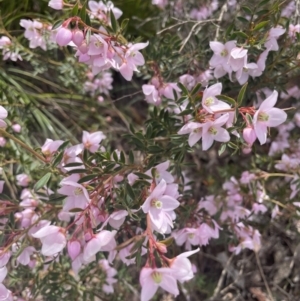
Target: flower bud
{"points": [[74, 248], [77, 37], [249, 135], [56, 4], [64, 36], [16, 128], [83, 48]]}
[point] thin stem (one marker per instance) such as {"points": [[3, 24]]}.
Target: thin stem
{"points": [[22, 144]]}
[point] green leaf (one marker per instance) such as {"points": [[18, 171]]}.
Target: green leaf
{"points": [[114, 22], [57, 24], [130, 191], [229, 29], [75, 10], [124, 24], [131, 157], [260, 25], [42, 182], [83, 12], [222, 149], [87, 178], [63, 146], [57, 159], [240, 34], [79, 170], [183, 88], [262, 3], [247, 9], [241, 95], [196, 89], [227, 99], [242, 19], [142, 175]]}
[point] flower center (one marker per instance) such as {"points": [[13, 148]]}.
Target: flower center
{"points": [[157, 277], [209, 101], [191, 235], [198, 130], [156, 203], [224, 52], [245, 69], [263, 116], [213, 131], [78, 191]]}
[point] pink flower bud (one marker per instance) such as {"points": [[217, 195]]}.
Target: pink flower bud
{"points": [[64, 36], [83, 48], [161, 247], [16, 128], [249, 135], [56, 4], [74, 248], [77, 37], [2, 141]]}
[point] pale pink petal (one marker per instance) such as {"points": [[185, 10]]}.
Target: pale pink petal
{"points": [[194, 138], [269, 102], [169, 203], [169, 284], [276, 117]]}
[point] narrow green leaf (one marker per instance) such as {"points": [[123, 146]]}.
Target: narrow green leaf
{"points": [[57, 24], [241, 95], [196, 89], [42, 182], [83, 13], [227, 99], [183, 88], [124, 24], [262, 3], [247, 9], [57, 159], [131, 157], [75, 10], [63, 146], [260, 25], [222, 149], [87, 178], [114, 22], [82, 171], [130, 191]]}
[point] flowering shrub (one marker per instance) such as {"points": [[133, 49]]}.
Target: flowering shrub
{"points": [[137, 139]]}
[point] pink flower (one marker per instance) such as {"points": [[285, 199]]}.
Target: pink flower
{"points": [[24, 257], [5, 294], [220, 57], [56, 4], [209, 100], [50, 147], [52, 238], [103, 241], [132, 59], [92, 141], [74, 248], [182, 267], [63, 36], [160, 3], [152, 95], [160, 172], [213, 131], [238, 58], [274, 33], [195, 131], [77, 195], [188, 81], [16, 128], [159, 206], [3, 273], [152, 279], [267, 116], [23, 180], [249, 135]]}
